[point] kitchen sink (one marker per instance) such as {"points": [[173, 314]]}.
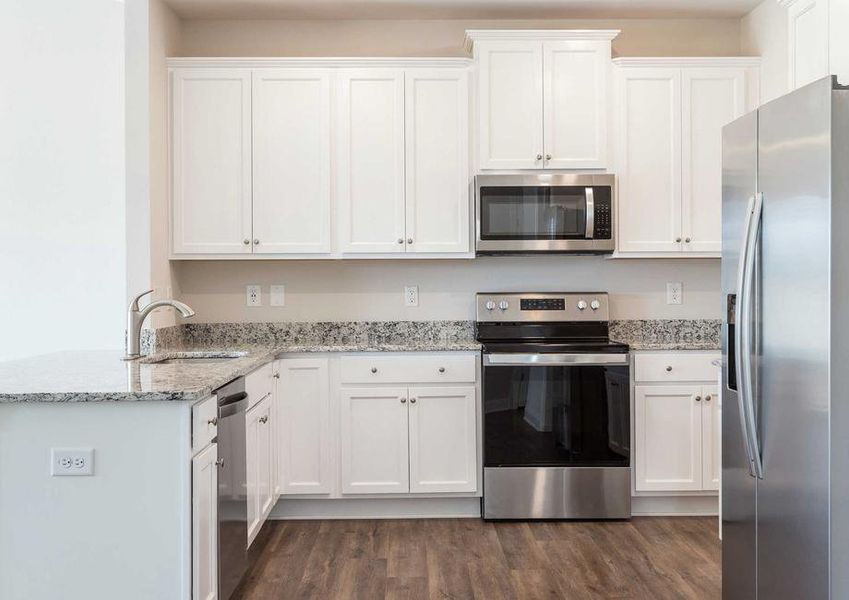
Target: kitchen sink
{"points": [[195, 358]]}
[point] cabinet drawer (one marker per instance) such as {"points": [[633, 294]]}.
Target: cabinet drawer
{"points": [[259, 384], [415, 368], [675, 366], [204, 423]]}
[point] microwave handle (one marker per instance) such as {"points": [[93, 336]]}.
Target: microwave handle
{"points": [[590, 228]]}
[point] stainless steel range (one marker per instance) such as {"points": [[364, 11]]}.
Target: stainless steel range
{"points": [[556, 403]]}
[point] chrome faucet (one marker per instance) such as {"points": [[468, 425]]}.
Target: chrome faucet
{"points": [[136, 317]]}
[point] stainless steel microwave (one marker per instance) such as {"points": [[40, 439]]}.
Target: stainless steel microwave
{"points": [[544, 213]]}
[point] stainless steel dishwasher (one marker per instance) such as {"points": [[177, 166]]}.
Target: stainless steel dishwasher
{"points": [[233, 558]]}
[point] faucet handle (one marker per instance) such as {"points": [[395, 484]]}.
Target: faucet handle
{"points": [[134, 305]]}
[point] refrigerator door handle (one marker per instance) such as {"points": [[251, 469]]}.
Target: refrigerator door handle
{"points": [[743, 336]]}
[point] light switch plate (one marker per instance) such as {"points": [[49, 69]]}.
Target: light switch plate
{"points": [[278, 295], [254, 295], [71, 461], [674, 292], [411, 295]]}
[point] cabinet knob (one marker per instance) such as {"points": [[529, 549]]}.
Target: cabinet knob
{"points": [[246, 242], [403, 400], [400, 240], [677, 240], [669, 368], [220, 462], [276, 376], [409, 240], [442, 369], [707, 398], [213, 421], [263, 419], [256, 242], [548, 157], [374, 369], [698, 398], [412, 400], [687, 240], [539, 156]]}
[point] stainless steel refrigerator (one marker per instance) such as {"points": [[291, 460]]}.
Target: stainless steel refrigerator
{"points": [[785, 344]]}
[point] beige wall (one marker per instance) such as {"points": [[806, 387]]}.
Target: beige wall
{"points": [[763, 32], [164, 41], [333, 290], [639, 37]]}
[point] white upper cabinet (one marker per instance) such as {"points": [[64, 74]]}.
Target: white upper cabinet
{"points": [[437, 160], [370, 162], [711, 97], [211, 161], [542, 98], [510, 107], [575, 115], [291, 161], [669, 119], [807, 40]]}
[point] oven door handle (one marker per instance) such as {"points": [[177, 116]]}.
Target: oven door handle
{"points": [[590, 226], [554, 360]]}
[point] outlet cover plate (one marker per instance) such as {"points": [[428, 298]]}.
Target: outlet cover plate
{"points": [[674, 292], [411, 295], [277, 297], [71, 461], [254, 295]]}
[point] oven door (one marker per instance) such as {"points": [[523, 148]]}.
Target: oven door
{"points": [[556, 410]]}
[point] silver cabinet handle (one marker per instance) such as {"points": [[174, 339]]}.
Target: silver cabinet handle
{"points": [[412, 400], [219, 462], [256, 242], [374, 369], [669, 368], [403, 400], [548, 157], [539, 156], [409, 240], [246, 242], [442, 369], [698, 398], [707, 398], [677, 240], [400, 240], [263, 419], [687, 240], [213, 421], [276, 376]]}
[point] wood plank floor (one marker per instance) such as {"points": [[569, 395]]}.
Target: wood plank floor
{"points": [[468, 558]]}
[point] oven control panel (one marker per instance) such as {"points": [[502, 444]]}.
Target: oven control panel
{"points": [[530, 307]]}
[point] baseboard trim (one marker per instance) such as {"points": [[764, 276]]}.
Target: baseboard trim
{"points": [[376, 508], [671, 506]]}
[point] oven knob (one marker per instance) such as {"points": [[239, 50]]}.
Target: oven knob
{"points": [[595, 305], [489, 305], [504, 305], [582, 304]]}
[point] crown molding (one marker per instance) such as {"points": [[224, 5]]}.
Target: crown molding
{"points": [[477, 35], [687, 61], [315, 62]]}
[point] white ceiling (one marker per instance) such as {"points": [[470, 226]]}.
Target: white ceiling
{"points": [[457, 9]]}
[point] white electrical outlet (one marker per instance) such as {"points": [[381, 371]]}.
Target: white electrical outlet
{"points": [[277, 297], [254, 293], [71, 461], [674, 293], [411, 295]]}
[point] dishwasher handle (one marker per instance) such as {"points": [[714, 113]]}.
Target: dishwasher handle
{"points": [[230, 405]]}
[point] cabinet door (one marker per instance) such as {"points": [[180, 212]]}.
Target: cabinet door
{"points": [[259, 460], [808, 39], [437, 159], [668, 444], [205, 524], [211, 161], [374, 440], [303, 425], [291, 161], [510, 103], [711, 98], [371, 160], [575, 104], [649, 162], [711, 438], [443, 439]]}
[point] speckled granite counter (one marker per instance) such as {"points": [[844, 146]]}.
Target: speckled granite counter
{"points": [[668, 334]]}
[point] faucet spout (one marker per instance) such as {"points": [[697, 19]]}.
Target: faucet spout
{"points": [[136, 318]]}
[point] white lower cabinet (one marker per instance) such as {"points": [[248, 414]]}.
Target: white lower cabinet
{"points": [[205, 524], [374, 440], [677, 445], [443, 439], [303, 426], [259, 465]]}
